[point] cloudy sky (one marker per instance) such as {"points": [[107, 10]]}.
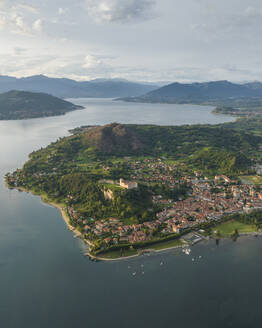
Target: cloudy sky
{"points": [[146, 40]]}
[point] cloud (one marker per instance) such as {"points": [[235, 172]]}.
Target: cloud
{"points": [[3, 22], [121, 11], [91, 62], [62, 11], [18, 18], [38, 25], [18, 62], [26, 7], [224, 23], [19, 50]]}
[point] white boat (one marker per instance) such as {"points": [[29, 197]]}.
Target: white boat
{"points": [[187, 251]]}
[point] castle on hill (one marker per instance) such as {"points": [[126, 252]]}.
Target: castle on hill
{"points": [[128, 184]]}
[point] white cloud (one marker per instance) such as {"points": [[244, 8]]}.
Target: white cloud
{"points": [[17, 17], [62, 11], [19, 63], [253, 12], [19, 50], [38, 25], [192, 40], [3, 22], [26, 7], [91, 62], [123, 11], [19, 22]]}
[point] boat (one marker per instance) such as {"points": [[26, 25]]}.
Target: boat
{"points": [[187, 251]]}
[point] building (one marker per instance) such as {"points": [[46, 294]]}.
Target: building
{"points": [[128, 184], [222, 178]]}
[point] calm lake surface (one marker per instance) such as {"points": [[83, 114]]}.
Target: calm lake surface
{"points": [[46, 282]]}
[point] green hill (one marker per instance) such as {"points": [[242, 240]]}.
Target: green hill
{"points": [[206, 147], [16, 105], [175, 141], [114, 138], [220, 161]]}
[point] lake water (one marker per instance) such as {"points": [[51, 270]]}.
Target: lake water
{"points": [[46, 282]]}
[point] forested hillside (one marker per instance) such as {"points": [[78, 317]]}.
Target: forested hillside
{"points": [[16, 105]]}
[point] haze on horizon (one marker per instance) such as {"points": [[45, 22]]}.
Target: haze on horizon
{"points": [[143, 40]]}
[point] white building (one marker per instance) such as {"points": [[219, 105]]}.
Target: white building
{"points": [[128, 184]]}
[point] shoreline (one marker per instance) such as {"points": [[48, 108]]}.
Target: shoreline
{"points": [[58, 206], [65, 217], [78, 234], [140, 253]]}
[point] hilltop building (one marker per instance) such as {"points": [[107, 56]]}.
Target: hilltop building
{"points": [[128, 184], [222, 178]]}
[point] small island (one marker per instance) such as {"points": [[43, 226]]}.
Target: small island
{"points": [[127, 189], [19, 105]]}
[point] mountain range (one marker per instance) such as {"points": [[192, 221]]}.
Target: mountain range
{"points": [[217, 92], [67, 88]]}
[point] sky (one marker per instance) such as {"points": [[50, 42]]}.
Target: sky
{"points": [[139, 40]]}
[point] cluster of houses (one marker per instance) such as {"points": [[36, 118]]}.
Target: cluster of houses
{"points": [[209, 200], [112, 230], [155, 170]]}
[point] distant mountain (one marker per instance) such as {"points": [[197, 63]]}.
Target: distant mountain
{"points": [[254, 85], [202, 93], [67, 88], [16, 105]]}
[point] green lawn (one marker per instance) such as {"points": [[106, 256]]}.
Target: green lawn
{"points": [[167, 244], [163, 245], [255, 179], [228, 228], [112, 186], [117, 254]]}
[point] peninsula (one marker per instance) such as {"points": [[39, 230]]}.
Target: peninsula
{"points": [[127, 188], [18, 105]]}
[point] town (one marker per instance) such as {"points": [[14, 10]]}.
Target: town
{"points": [[209, 199], [184, 200]]}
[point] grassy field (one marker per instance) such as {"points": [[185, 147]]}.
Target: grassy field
{"points": [[118, 254], [254, 179], [130, 252], [112, 186], [228, 228], [167, 244]]}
